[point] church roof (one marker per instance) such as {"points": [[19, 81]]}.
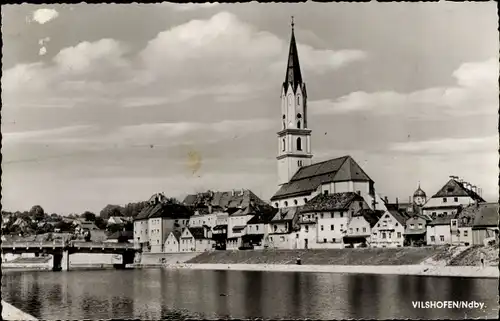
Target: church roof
{"points": [[309, 178], [454, 188], [293, 75]]}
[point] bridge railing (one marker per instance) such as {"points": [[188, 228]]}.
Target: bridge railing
{"points": [[106, 245], [25, 244]]}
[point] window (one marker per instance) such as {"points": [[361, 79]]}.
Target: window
{"points": [[420, 225], [374, 233], [456, 199], [357, 229], [305, 200], [256, 227], [324, 241], [364, 229], [399, 235], [271, 238], [331, 227], [321, 215], [298, 101], [445, 213], [466, 233], [286, 203], [284, 145], [298, 124], [275, 228], [297, 235], [412, 226], [276, 204], [325, 192], [322, 227], [307, 228], [331, 215], [350, 230], [299, 163], [384, 235], [282, 238], [433, 213], [299, 143], [397, 224], [295, 202], [445, 200], [441, 237], [361, 204], [341, 227], [341, 214]]}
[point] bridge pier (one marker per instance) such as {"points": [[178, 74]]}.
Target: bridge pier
{"points": [[127, 258], [60, 261]]}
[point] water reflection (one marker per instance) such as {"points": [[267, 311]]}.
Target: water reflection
{"points": [[184, 294]]}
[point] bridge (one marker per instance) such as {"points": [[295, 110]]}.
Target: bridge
{"points": [[60, 250]]}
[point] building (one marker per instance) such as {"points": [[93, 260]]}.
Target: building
{"points": [[155, 222], [439, 230], [323, 220], [389, 230], [258, 228], [451, 197], [419, 200], [283, 227], [485, 225], [359, 227], [299, 179], [173, 242], [196, 239], [219, 231], [416, 229]]}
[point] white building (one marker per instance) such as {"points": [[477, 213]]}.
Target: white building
{"points": [[196, 239], [323, 221], [451, 197], [389, 230]]}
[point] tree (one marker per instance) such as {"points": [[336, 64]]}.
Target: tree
{"points": [[89, 216], [37, 212], [110, 210], [64, 226], [100, 223]]}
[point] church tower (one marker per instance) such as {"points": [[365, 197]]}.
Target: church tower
{"points": [[294, 138]]}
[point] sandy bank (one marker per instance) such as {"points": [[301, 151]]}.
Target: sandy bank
{"points": [[9, 312], [424, 270]]}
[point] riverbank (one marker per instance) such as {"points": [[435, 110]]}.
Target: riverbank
{"points": [[418, 270], [10, 312]]}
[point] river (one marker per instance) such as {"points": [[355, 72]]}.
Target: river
{"points": [[179, 294]]}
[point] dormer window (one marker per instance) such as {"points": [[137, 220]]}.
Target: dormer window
{"points": [[445, 199]]}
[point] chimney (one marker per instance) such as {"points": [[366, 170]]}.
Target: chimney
{"points": [[397, 201], [232, 192], [386, 199]]}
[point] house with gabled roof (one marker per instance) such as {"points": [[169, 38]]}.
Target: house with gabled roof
{"points": [[416, 229], [359, 227], [156, 220], [258, 228], [283, 233], [454, 195], [439, 230], [196, 239], [485, 226], [323, 220], [389, 230], [173, 242]]}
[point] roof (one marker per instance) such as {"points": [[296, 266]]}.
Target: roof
{"points": [[309, 178], [487, 215], [372, 217], [238, 227], [177, 234], [442, 220], [220, 227], [197, 232], [229, 199], [398, 216], [165, 210], [286, 214], [454, 188], [419, 192], [88, 225], [293, 75], [331, 202]]}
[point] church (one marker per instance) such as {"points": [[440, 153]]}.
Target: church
{"points": [[299, 178]]}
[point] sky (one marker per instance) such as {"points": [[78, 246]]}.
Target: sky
{"points": [[108, 104]]}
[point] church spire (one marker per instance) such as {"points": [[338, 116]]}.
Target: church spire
{"points": [[293, 75]]}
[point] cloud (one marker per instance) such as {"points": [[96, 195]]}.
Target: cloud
{"points": [[476, 93], [487, 144], [190, 6], [45, 136], [43, 16], [230, 61]]}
